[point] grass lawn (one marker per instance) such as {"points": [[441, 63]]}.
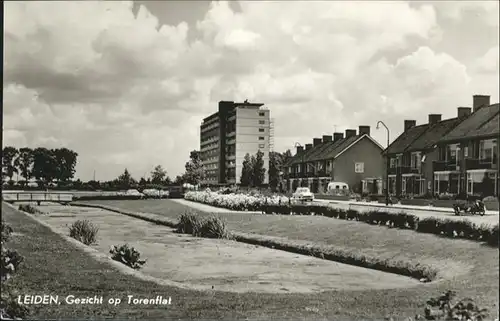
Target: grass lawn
{"points": [[471, 268]]}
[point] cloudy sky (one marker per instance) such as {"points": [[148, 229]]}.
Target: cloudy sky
{"points": [[127, 84]]}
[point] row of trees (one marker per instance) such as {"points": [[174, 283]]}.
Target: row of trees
{"points": [[45, 165], [253, 171]]}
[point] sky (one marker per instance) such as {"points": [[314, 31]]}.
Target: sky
{"points": [[127, 84]]}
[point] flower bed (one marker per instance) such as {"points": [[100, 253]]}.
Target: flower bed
{"points": [[280, 205], [237, 202]]}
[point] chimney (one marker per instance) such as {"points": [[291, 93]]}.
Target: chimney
{"points": [[479, 101], [364, 130], [327, 138], [409, 124], [463, 112], [338, 136], [309, 146], [434, 118], [316, 141], [300, 149], [350, 133]]}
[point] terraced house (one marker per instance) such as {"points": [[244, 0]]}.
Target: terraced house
{"points": [[354, 159], [431, 158], [468, 154]]}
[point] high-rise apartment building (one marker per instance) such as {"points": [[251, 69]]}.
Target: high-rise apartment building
{"points": [[228, 135]]}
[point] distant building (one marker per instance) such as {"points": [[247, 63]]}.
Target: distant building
{"points": [[447, 156], [355, 159], [228, 135]]}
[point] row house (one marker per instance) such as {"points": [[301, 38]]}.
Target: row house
{"points": [[468, 155], [354, 159], [424, 159]]}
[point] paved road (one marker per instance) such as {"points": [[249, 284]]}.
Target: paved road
{"points": [[491, 217]]}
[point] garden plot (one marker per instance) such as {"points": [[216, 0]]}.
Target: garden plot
{"points": [[221, 264]]}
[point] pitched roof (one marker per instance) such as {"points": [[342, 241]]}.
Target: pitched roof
{"points": [[433, 134], [328, 150], [406, 139], [337, 149], [480, 123]]}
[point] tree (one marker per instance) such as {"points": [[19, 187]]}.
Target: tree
{"points": [[66, 162], [194, 169], [45, 167], [275, 164], [246, 171], [125, 180], [158, 175], [179, 180], [24, 163], [258, 169], [9, 154]]}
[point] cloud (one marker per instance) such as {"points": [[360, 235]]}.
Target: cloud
{"points": [[124, 90]]}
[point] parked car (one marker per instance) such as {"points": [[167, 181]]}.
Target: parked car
{"points": [[338, 188], [134, 192], [303, 194]]}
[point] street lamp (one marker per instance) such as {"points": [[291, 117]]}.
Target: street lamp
{"points": [[387, 164]]}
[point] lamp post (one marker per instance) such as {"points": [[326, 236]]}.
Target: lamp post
{"points": [[302, 157], [387, 164]]}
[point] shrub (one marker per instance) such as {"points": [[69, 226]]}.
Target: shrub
{"points": [[443, 308], [29, 209], [189, 223], [10, 262], [214, 227], [127, 255], [84, 231], [6, 232]]}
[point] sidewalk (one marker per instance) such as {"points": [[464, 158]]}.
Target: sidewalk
{"points": [[401, 207]]}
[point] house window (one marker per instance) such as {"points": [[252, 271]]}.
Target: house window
{"points": [[262, 114], [393, 162], [451, 153], [359, 167], [488, 151], [415, 160], [261, 138], [262, 122], [261, 130], [262, 145]]}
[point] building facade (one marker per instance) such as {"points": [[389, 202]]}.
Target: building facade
{"points": [[468, 155], [449, 156], [228, 135], [354, 159]]}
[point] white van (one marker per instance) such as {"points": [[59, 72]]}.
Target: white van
{"points": [[337, 187]]}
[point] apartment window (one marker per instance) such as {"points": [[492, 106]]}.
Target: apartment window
{"points": [[261, 130], [261, 138], [359, 167], [262, 145], [262, 122], [262, 114], [452, 152], [393, 162]]}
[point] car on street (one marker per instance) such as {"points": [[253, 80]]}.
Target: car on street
{"points": [[134, 192], [303, 194]]}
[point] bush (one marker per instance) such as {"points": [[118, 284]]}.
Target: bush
{"points": [[29, 209], [211, 227], [127, 255], [189, 223], [443, 308], [214, 227], [10, 262], [84, 231]]}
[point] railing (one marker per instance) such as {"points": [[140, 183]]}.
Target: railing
{"points": [[478, 164], [438, 166], [36, 197]]}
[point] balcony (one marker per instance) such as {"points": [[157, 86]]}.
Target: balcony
{"points": [[439, 166], [479, 164]]}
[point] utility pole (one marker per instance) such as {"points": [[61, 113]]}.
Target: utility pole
{"points": [[387, 164], [94, 175]]}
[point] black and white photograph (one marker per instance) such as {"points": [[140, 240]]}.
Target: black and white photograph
{"points": [[250, 160]]}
